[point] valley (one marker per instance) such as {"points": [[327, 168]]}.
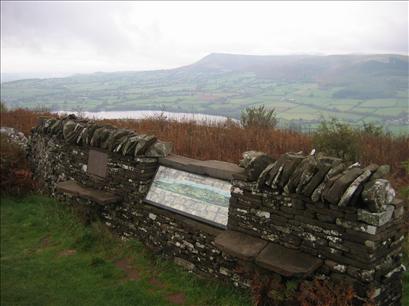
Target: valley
{"points": [[302, 89]]}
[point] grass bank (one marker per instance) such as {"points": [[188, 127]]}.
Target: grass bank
{"points": [[49, 258]]}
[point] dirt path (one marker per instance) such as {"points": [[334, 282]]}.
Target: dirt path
{"points": [[125, 265]]}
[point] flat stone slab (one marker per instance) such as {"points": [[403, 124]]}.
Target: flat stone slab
{"points": [[100, 197], [213, 168], [287, 262], [240, 245]]}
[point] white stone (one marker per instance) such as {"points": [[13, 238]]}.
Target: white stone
{"points": [[188, 244], [375, 293], [331, 232], [340, 268], [365, 228], [224, 271], [398, 269], [334, 239], [309, 237], [243, 211], [199, 245], [370, 229], [274, 183], [263, 214], [236, 190], [270, 237]]}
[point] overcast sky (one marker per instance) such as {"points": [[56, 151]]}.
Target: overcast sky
{"points": [[71, 37]]}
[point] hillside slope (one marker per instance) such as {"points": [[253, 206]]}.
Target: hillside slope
{"points": [[300, 87]]}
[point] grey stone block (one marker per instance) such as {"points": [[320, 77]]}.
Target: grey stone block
{"points": [[377, 219]]}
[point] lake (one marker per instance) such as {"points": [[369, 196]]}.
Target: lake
{"points": [[142, 114]]}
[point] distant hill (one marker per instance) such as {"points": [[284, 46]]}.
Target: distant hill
{"points": [[335, 70], [301, 87]]}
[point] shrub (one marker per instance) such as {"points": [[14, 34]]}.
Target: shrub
{"points": [[3, 107], [22, 119], [15, 174], [372, 129], [325, 293], [258, 117], [41, 109], [338, 139]]}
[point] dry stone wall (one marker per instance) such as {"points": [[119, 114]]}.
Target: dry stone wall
{"points": [[332, 220], [344, 214]]}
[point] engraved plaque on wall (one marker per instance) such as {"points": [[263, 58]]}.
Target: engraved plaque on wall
{"points": [[200, 197], [97, 163]]}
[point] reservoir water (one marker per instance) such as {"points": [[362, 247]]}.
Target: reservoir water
{"points": [[143, 114]]}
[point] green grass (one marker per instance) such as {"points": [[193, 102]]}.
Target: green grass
{"points": [[35, 233]]}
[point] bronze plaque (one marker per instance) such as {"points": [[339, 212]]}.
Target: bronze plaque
{"points": [[97, 163]]}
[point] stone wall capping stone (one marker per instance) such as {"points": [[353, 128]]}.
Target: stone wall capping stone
{"points": [[378, 193], [254, 163], [213, 168], [85, 132]]}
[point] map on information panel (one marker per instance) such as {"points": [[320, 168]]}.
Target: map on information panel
{"points": [[199, 196]]}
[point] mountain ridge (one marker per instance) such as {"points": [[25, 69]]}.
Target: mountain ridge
{"points": [[212, 57]]}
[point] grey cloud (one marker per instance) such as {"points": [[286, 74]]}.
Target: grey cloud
{"points": [[56, 24], [95, 36]]}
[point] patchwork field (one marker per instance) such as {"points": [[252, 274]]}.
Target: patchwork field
{"points": [[302, 89]]}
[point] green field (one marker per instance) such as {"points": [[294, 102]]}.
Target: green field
{"points": [[372, 88], [49, 258]]}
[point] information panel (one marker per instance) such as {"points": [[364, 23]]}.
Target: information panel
{"points": [[198, 196]]}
